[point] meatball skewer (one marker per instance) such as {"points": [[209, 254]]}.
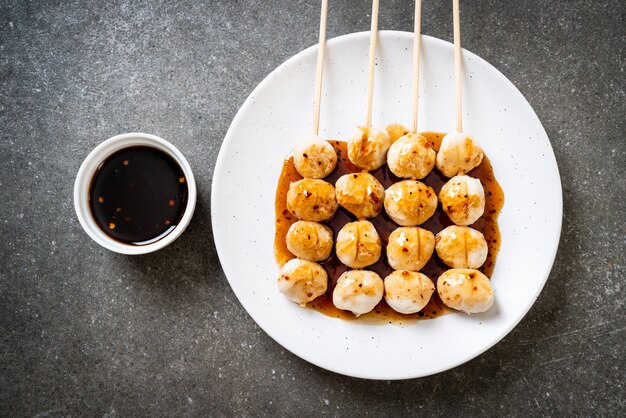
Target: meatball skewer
{"points": [[411, 156], [417, 41], [463, 199], [311, 200], [458, 153], [367, 149], [313, 157]]}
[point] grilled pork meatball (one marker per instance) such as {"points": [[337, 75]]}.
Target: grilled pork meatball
{"points": [[463, 199], [466, 290], [309, 240], [410, 202], [396, 130], [408, 292], [358, 244], [312, 200], [410, 248], [411, 157], [461, 247], [302, 281], [367, 149], [314, 158], [358, 291], [361, 194], [458, 154]]}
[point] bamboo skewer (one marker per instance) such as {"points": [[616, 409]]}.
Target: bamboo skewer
{"points": [[320, 67], [372, 63], [457, 64], [417, 38]]}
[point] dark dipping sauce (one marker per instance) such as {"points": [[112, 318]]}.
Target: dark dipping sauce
{"points": [[487, 224], [138, 195]]}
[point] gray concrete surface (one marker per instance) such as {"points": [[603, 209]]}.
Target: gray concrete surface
{"points": [[88, 332]]}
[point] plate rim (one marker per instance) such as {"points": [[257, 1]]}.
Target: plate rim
{"points": [[216, 186]]}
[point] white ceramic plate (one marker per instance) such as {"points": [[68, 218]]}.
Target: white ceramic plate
{"points": [[280, 110]]}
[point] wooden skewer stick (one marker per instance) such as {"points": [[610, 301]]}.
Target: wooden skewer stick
{"points": [[372, 63], [457, 64], [320, 68], [417, 38]]}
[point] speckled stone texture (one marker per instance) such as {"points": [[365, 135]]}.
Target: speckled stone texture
{"points": [[88, 332]]}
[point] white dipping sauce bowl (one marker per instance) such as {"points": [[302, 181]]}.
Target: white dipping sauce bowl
{"points": [[91, 165]]}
